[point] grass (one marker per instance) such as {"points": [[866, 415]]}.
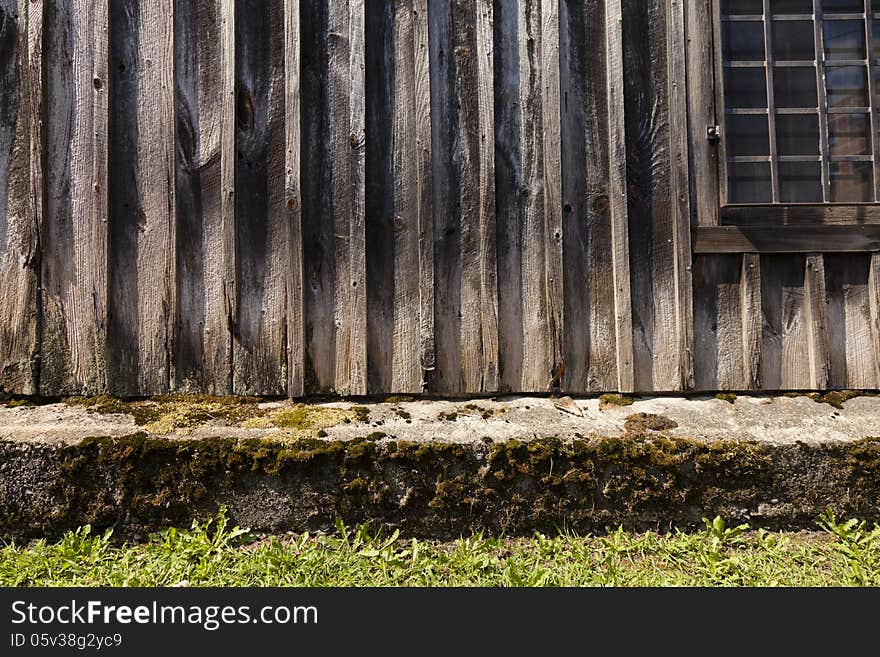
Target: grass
{"points": [[212, 553]]}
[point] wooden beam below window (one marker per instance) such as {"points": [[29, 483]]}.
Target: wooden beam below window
{"points": [[786, 239]]}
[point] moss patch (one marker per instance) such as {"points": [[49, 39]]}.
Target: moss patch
{"points": [[609, 400], [729, 397], [639, 423], [301, 420], [837, 398], [176, 413], [138, 483]]}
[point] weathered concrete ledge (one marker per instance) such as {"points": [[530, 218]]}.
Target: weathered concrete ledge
{"points": [[438, 469]]}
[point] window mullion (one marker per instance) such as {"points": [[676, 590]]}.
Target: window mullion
{"points": [[771, 104], [819, 46]]}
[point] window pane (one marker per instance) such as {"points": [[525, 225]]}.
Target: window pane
{"points": [[797, 134], [846, 86], [851, 182], [843, 6], [875, 38], [849, 134], [794, 87], [791, 6], [747, 135], [745, 87], [800, 182], [749, 182], [743, 41], [738, 7], [844, 39], [793, 40]]}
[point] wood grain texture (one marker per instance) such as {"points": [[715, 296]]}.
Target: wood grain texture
{"points": [[788, 358], [142, 154], [474, 74], [21, 191], [680, 191], [295, 311], [652, 210], [508, 200], [334, 231], [74, 233], [852, 351], [752, 312], [358, 196], [787, 239], [540, 197], [261, 256], [347, 139], [817, 323], [604, 256], [718, 323], [202, 342], [466, 305], [701, 111], [552, 156], [619, 172], [411, 200], [873, 292]]}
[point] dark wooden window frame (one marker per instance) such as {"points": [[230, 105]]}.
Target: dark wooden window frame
{"points": [[755, 228]]}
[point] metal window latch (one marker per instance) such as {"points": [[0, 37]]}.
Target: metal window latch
{"points": [[713, 133]]}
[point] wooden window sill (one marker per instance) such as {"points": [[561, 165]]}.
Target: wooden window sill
{"points": [[787, 239]]}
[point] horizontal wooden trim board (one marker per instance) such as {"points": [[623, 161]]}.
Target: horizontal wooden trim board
{"points": [[786, 239], [801, 214]]}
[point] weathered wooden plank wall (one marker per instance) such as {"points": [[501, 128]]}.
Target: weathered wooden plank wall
{"points": [[288, 197]]}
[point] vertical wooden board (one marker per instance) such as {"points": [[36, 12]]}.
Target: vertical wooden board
{"points": [[873, 293], [380, 174], [261, 255], [293, 200], [447, 376], [652, 211], [334, 136], [817, 323], [785, 361], [202, 343], [356, 285], [700, 55], [575, 32], [552, 163], [472, 26], [463, 120], [142, 265], [425, 182], [21, 195], [752, 320], [347, 140], [73, 236], [718, 323], [854, 358], [319, 248], [508, 183], [590, 314], [405, 330], [619, 197], [680, 191], [541, 297]]}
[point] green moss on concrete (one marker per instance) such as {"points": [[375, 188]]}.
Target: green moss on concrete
{"points": [[639, 423], [140, 482], [608, 400], [837, 398], [176, 413], [729, 397]]}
